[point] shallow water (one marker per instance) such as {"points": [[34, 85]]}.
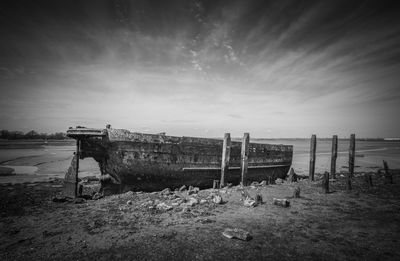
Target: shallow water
{"points": [[38, 163]]}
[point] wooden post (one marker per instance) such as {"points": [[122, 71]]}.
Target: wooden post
{"points": [[216, 184], [325, 182], [71, 189], [226, 154], [78, 145], [388, 175], [313, 147], [334, 156], [352, 152], [244, 158], [368, 179]]}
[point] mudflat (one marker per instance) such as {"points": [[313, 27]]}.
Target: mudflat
{"points": [[361, 224]]}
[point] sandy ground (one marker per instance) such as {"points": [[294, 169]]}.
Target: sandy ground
{"points": [[363, 224]]}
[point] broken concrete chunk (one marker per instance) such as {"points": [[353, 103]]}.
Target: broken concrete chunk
{"points": [[193, 190], [237, 233], [97, 196], [166, 192], [217, 199], [249, 202], [192, 201], [281, 202], [163, 206]]}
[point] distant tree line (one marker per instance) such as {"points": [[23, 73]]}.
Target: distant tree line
{"points": [[31, 135]]}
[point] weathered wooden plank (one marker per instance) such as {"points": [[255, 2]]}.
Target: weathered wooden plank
{"points": [[334, 156], [313, 147], [244, 158], [226, 153], [352, 152]]}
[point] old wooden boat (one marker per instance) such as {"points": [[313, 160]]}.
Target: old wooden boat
{"points": [[148, 162]]}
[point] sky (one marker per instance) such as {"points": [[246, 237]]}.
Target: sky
{"points": [[202, 68]]}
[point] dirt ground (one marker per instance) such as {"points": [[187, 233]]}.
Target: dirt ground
{"points": [[362, 224]]}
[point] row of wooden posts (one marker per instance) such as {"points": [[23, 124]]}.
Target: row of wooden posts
{"points": [[244, 158], [352, 153], [313, 146]]}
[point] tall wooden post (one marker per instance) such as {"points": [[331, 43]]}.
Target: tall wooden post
{"points": [[334, 156], [226, 154], [71, 177], [78, 145], [244, 158], [313, 147], [352, 152]]}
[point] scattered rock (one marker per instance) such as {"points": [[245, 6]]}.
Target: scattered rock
{"points": [[192, 201], [129, 193], [183, 188], [237, 233], [254, 184], [166, 192], [249, 202], [217, 199], [193, 190], [97, 196], [292, 177], [296, 192], [281, 202], [79, 200], [279, 181], [59, 199], [163, 206]]}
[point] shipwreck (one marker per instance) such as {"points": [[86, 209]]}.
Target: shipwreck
{"points": [[149, 162]]}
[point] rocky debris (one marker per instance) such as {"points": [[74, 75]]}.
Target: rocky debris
{"points": [[254, 184], [191, 202], [129, 202], [244, 194], [183, 188], [166, 192], [279, 181], [202, 201], [281, 202], [249, 202], [263, 183], [163, 206], [217, 199], [292, 177], [129, 193], [59, 199], [229, 185], [193, 190], [252, 202], [237, 233], [79, 201], [97, 196], [296, 192]]}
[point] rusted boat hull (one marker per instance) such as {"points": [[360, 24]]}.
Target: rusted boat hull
{"points": [[149, 162]]}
